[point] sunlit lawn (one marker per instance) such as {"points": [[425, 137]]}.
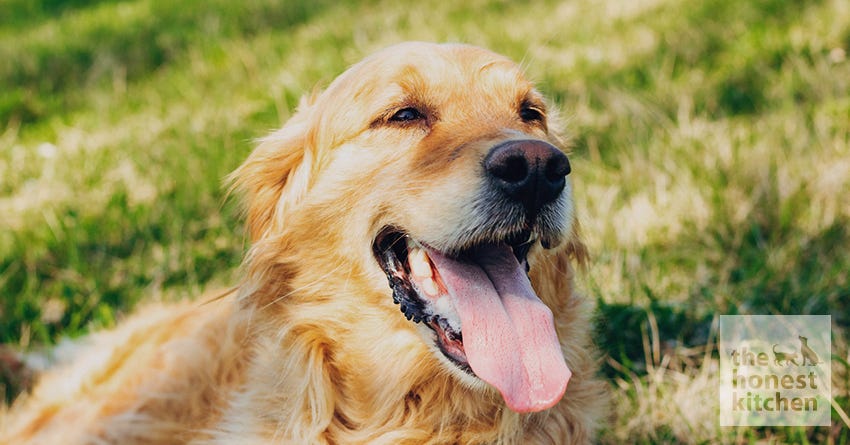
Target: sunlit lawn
{"points": [[711, 163]]}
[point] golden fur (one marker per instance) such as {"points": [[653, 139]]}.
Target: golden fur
{"points": [[310, 349]]}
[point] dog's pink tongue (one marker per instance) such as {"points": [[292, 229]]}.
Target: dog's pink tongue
{"points": [[508, 333]]}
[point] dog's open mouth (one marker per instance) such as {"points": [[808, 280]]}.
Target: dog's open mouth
{"points": [[486, 317]]}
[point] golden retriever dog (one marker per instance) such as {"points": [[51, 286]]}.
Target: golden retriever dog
{"points": [[409, 281]]}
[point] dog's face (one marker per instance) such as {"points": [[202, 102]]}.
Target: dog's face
{"points": [[429, 173]]}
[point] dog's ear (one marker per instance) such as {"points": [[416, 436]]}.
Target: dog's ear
{"points": [[278, 173]]}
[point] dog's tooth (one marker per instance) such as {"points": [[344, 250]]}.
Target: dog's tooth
{"points": [[420, 264], [430, 287], [446, 309]]}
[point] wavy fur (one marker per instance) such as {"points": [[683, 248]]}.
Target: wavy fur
{"points": [[309, 349]]}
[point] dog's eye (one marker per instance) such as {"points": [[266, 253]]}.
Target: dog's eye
{"points": [[529, 113], [408, 114]]}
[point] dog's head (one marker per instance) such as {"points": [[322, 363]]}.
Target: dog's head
{"points": [[431, 168]]}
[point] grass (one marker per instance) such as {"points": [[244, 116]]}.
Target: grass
{"points": [[712, 163]]}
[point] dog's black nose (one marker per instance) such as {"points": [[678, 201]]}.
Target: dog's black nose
{"points": [[530, 172]]}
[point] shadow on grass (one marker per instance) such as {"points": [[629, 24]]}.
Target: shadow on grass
{"points": [[747, 279], [93, 44], [725, 56], [813, 281], [22, 14], [91, 267]]}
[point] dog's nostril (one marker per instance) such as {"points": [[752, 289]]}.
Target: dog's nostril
{"points": [[511, 169], [557, 168]]}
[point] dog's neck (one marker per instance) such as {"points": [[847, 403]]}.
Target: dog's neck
{"points": [[348, 388]]}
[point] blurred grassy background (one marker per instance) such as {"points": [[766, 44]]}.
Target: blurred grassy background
{"points": [[712, 163]]}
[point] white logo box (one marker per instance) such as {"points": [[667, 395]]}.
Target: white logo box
{"points": [[775, 370]]}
